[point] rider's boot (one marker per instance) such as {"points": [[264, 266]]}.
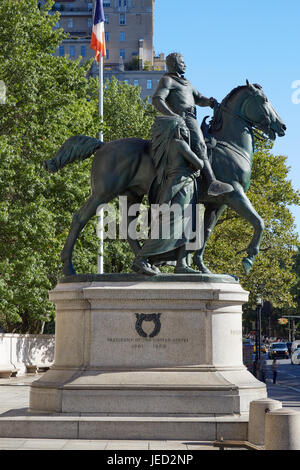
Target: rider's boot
{"points": [[215, 187]]}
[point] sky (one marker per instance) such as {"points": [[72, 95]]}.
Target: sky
{"points": [[225, 42]]}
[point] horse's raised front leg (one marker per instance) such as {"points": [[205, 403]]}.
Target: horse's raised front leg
{"points": [[80, 219], [239, 202], [211, 215]]}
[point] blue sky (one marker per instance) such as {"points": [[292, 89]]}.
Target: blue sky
{"points": [[226, 41]]}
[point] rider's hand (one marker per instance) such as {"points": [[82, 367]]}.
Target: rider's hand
{"points": [[212, 102]]}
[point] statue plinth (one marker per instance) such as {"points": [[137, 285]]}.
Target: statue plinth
{"points": [[152, 349], [148, 348]]}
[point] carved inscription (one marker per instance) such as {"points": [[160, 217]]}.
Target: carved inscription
{"points": [[152, 337], [138, 343]]}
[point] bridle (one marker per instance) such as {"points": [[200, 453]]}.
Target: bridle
{"points": [[253, 126]]}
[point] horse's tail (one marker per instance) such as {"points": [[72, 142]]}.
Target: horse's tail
{"points": [[78, 147]]}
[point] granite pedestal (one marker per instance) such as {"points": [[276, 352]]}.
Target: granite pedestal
{"points": [[156, 349]]}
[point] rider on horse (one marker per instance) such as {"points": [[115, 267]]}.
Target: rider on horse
{"points": [[175, 95]]}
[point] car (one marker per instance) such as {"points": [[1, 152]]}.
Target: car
{"points": [[278, 351], [295, 359]]}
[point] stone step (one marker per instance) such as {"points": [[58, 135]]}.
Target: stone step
{"points": [[116, 427]]}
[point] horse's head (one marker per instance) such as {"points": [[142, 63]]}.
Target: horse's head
{"points": [[249, 104], [257, 109]]}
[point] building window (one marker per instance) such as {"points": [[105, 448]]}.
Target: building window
{"points": [[122, 19], [126, 81], [70, 23], [57, 25], [135, 82], [90, 23], [61, 51], [72, 51], [106, 3], [90, 6], [149, 84], [83, 51], [122, 53], [106, 20], [122, 36], [107, 54], [106, 36]]}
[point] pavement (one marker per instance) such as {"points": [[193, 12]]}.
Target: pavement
{"points": [[14, 399]]}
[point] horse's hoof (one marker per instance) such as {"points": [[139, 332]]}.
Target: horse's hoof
{"points": [[201, 267], [156, 269], [142, 267], [247, 265]]}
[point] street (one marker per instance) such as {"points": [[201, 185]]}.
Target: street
{"points": [[287, 388]]}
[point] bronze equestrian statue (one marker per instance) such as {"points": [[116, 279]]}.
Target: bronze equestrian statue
{"points": [[126, 167]]}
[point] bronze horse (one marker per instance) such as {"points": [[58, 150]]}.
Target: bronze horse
{"points": [[124, 167]]}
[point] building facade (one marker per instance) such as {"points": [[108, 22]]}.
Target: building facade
{"points": [[129, 30]]}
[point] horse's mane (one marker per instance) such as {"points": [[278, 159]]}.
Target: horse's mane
{"points": [[217, 120]]}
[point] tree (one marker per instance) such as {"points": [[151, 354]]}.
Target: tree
{"points": [[48, 100], [271, 194], [296, 287]]}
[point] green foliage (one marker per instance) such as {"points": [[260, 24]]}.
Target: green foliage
{"points": [[126, 115], [49, 100], [271, 194], [133, 64]]}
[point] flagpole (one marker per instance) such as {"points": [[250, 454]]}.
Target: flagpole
{"points": [[98, 44], [100, 213]]}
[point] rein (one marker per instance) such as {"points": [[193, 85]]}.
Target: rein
{"points": [[253, 126]]}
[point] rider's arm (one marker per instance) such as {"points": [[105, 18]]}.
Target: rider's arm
{"points": [[189, 155], [201, 100], [160, 96]]}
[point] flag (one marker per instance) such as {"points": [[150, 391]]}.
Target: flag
{"points": [[98, 36]]}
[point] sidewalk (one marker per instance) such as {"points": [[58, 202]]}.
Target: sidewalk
{"points": [[14, 399]]}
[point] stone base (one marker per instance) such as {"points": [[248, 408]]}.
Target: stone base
{"points": [[149, 351], [120, 428], [194, 392]]}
